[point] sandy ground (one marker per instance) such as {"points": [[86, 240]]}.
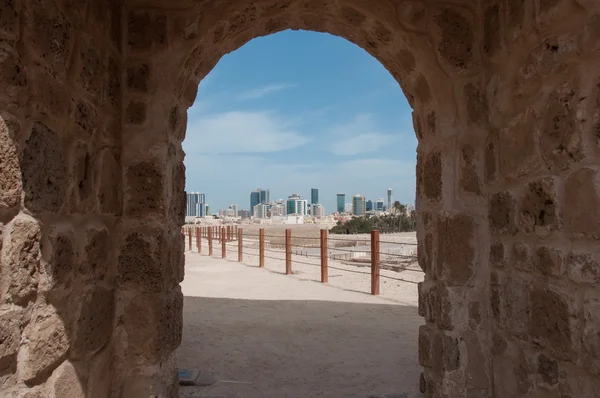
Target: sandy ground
{"points": [[289, 336]]}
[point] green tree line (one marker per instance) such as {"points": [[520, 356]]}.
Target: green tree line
{"points": [[397, 220]]}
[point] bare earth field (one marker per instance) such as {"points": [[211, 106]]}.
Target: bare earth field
{"points": [[265, 334]]}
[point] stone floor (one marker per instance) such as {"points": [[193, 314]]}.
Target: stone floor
{"points": [[263, 334]]}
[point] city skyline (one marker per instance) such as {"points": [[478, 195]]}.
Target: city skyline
{"points": [[331, 204]]}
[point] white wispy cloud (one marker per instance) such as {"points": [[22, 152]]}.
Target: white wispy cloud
{"points": [[240, 132], [359, 136], [262, 91]]}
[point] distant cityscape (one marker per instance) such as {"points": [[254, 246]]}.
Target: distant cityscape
{"points": [[293, 210]]}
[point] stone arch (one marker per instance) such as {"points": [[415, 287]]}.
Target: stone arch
{"points": [[92, 115]]}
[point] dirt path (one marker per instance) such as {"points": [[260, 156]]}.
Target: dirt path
{"points": [[277, 336]]}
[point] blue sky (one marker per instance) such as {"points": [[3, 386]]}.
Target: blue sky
{"points": [[299, 110]]}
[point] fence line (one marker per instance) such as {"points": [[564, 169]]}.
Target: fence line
{"points": [[227, 236]]}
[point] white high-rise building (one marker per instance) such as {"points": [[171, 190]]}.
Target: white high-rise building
{"points": [[389, 199], [277, 209], [234, 207], [317, 210], [196, 205], [261, 211], [348, 207]]}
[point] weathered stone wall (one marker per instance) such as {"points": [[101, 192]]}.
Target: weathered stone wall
{"points": [[92, 116]]}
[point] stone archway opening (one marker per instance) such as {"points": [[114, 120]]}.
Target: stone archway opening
{"points": [[300, 343], [93, 112]]}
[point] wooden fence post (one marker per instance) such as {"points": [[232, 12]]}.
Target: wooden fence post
{"points": [[261, 248], [190, 239], [288, 251], [210, 241], [199, 239], [375, 262], [223, 244], [239, 239], [324, 271]]}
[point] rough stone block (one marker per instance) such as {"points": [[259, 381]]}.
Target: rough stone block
{"points": [[517, 146], [548, 370], [560, 134], [498, 255], [502, 210], [513, 306], [63, 264], [145, 30], [91, 68], [445, 353], [437, 306], [548, 261], [109, 192], [66, 382], [178, 198], [165, 312], [432, 176], [456, 42], [591, 333], [477, 107], [538, 209], [583, 266], [522, 256], [551, 321], [44, 177], [46, 346], [10, 168], [10, 336], [492, 35], [142, 262], [97, 261], [49, 35], [469, 178], [95, 323], [456, 261], [9, 19], [582, 204], [426, 337], [138, 77], [85, 117], [13, 75], [145, 189], [20, 260]]}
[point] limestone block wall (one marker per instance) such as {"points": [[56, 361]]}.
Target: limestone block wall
{"points": [[93, 107]]}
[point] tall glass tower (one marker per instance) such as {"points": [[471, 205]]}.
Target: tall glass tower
{"points": [[341, 202], [314, 196]]}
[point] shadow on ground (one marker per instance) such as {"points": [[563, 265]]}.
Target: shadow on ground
{"points": [[281, 348]]}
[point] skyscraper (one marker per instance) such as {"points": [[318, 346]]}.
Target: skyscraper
{"points": [[314, 196], [369, 205], [379, 204], [234, 207], [195, 205], [296, 206], [264, 196], [254, 200], [389, 197], [358, 205], [341, 201]]}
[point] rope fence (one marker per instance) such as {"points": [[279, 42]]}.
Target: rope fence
{"points": [[226, 240]]}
